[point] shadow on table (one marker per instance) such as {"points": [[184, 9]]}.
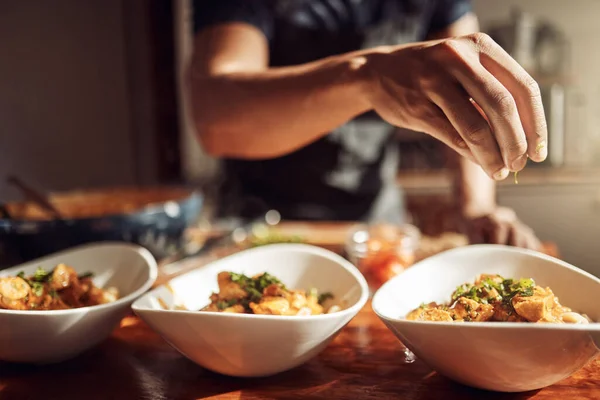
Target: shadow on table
{"points": [[135, 365], [118, 370]]}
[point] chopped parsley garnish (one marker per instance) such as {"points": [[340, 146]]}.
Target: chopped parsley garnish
{"points": [[255, 286], [38, 288], [41, 275], [86, 275], [36, 282], [495, 289], [223, 304], [323, 297]]}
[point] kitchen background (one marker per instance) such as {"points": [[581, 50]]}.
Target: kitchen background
{"points": [[89, 96]]}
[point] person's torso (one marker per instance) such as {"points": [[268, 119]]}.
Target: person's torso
{"points": [[340, 175]]}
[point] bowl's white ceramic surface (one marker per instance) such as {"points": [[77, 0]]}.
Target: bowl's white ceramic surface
{"points": [[57, 335], [507, 357], [250, 345]]}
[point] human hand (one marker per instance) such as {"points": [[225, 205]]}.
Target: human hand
{"points": [[468, 93], [501, 226]]}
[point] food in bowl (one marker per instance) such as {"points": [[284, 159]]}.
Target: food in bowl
{"points": [[55, 335], [495, 298], [264, 294], [243, 344], [506, 357], [58, 289]]}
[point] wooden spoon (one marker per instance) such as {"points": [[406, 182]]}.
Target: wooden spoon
{"points": [[34, 196]]}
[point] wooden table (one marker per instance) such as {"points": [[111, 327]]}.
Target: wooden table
{"points": [[363, 362]]}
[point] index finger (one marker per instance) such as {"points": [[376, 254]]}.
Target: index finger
{"points": [[525, 91]]}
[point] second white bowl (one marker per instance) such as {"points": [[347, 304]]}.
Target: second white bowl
{"points": [[248, 345]]}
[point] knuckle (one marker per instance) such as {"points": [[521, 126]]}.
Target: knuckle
{"points": [[480, 40], [532, 88], [516, 149], [449, 48], [505, 103], [476, 134], [459, 142]]}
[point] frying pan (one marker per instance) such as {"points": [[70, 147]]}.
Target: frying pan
{"points": [[155, 218]]}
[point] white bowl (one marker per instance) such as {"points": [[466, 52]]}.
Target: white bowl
{"points": [[248, 345], [42, 337], [506, 357]]}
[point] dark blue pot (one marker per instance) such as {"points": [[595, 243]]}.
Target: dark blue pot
{"points": [[160, 228]]}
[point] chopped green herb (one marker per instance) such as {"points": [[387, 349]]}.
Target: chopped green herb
{"points": [[86, 275], [495, 289], [223, 304], [255, 286], [313, 292], [324, 297], [38, 288], [41, 275], [267, 279]]}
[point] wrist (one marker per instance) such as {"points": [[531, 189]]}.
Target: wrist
{"points": [[474, 210], [365, 71]]}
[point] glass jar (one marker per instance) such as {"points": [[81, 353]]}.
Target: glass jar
{"points": [[382, 251]]}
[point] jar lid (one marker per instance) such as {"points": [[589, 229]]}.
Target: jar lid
{"points": [[370, 238]]}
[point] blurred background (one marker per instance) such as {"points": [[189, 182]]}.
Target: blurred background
{"points": [[90, 95]]}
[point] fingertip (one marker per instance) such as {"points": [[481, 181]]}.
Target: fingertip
{"points": [[540, 152], [501, 174], [519, 163]]}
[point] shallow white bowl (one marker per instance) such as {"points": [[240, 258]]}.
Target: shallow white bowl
{"points": [[506, 357], [52, 336], [248, 345]]}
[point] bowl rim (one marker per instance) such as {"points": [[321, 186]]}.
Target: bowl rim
{"points": [[302, 247], [591, 327], [150, 263]]}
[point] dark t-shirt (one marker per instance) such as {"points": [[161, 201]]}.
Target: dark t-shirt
{"points": [[350, 173]]}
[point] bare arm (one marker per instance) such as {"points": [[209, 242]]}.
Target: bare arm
{"points": [[474, 191], [245, 109]]}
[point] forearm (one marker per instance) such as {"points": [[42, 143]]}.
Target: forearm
{"points": [[277, 110]]}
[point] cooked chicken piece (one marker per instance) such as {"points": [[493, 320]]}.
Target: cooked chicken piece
{"points": [[109, 295], [469, 310], [493, 278], [13, 293], [537, 307], [236, 308], [272, 305], [333, 309], [573, 318], [211, 307], [312, 302], [274, 290], [304, 311], [229, 290], [14, 288], [504, 313], [62, 277], [297, 300], [429, 314]]}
